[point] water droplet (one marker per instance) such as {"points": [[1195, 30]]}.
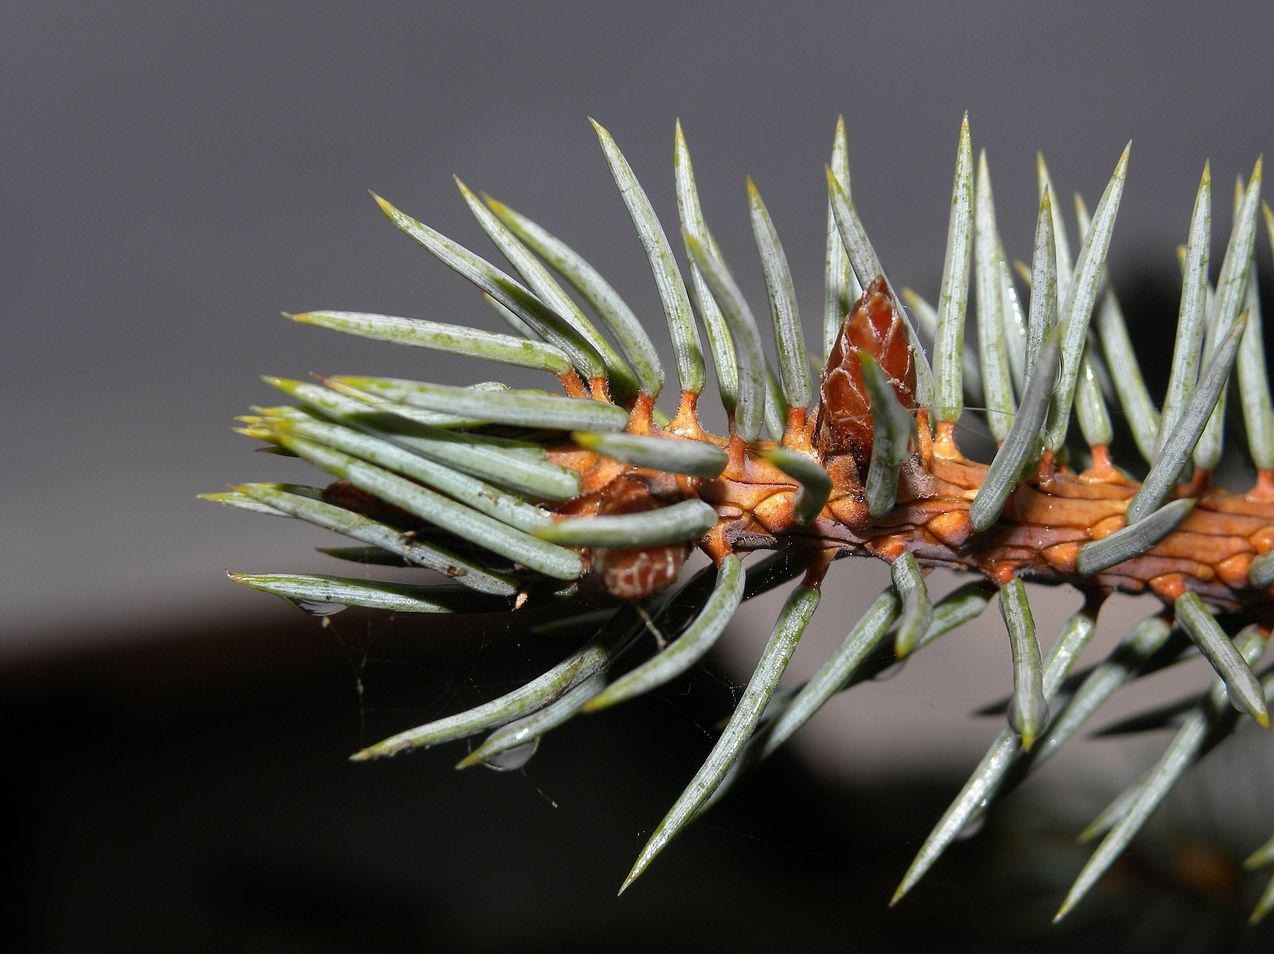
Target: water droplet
{"points": [[512, 759], [890, 671], [318, 608], [975, 824]]}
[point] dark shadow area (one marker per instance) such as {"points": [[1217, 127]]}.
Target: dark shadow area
{"points": [[194, 795]]}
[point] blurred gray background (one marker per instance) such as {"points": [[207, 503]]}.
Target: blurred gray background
{"points": [[172, 176]]}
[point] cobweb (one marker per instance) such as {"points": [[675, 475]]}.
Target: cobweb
{"points": [[408, 669]]}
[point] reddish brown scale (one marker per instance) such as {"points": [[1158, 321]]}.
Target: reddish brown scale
{"points": [[844, 422], [1038, 537], [343, 494], [636, 573]]}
